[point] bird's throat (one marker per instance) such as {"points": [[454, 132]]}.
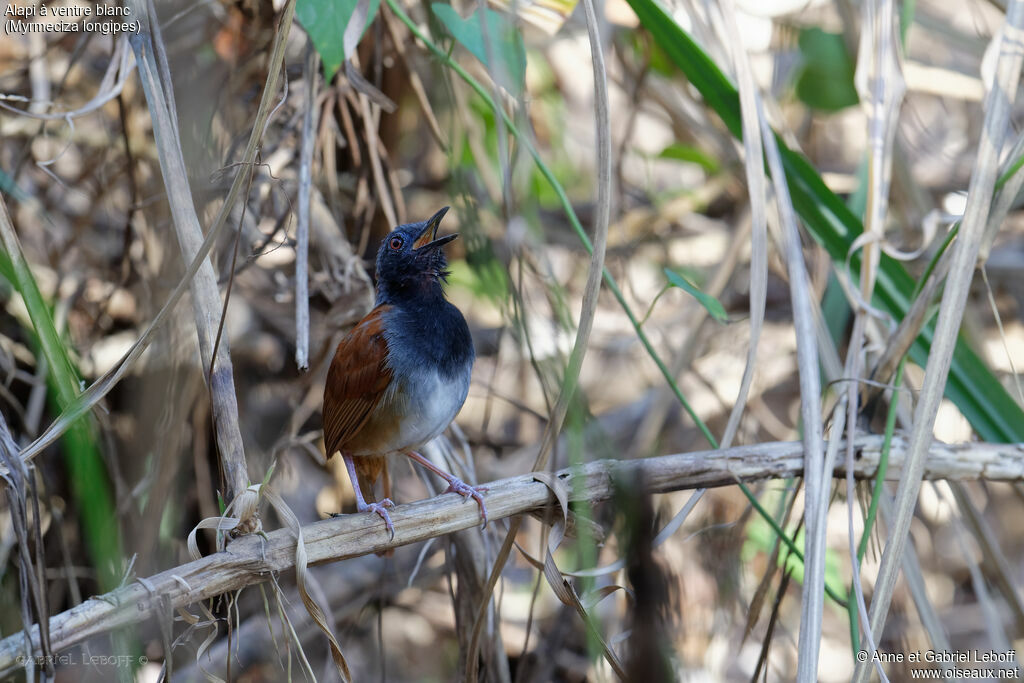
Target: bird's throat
{"points": [[422, 290]]}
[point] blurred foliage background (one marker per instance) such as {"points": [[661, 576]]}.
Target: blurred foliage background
{"points": [[438, 107]]}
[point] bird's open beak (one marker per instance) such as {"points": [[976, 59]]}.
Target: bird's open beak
{"points": [[425, 240]]}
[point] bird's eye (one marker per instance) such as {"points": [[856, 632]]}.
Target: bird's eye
{"points": [[396, 243]]}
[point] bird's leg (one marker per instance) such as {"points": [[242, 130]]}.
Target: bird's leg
{"points": [[455, 485], [361, 504]]}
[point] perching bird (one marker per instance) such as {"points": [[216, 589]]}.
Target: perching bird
{"points": [[401, 375]]}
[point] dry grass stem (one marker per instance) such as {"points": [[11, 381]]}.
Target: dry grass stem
{"points": [[309, 127], [815, 481]]}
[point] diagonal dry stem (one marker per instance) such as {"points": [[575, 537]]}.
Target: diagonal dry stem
{"points": [[753, 164], [205, 292], [815, 480]]}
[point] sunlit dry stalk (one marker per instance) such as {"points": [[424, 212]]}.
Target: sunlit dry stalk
{"points": [[914, 577], [880, 84], [753, 165], [309, 126]]}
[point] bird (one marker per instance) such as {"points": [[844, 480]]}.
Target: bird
{"points": [[401, 375]]}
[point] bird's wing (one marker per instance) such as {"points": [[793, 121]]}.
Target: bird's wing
{"points": [[356, 380]]}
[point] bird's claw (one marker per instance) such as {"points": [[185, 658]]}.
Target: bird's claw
{"points": [[466, 491], [381, 508]]}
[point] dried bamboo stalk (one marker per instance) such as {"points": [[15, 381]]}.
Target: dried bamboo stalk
{"points": [[250, 559], [206, 300]]}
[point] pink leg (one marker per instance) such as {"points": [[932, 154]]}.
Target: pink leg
{"points": [[455, 485], [361, 504]]}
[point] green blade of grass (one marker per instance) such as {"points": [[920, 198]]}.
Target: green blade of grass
{"points": [[712, 305], [989, 408], [87, 473], [832, 589]]}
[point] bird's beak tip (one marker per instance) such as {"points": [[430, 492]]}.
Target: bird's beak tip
{"points": [[429, 234]]}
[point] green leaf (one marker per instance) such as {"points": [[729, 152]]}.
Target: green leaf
{"points": [[993, 414], [506, 44], [826, 79], [325, 22], [680, 152], [710, 303]]}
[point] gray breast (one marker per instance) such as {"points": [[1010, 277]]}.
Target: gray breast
{"points": [[430, 355]]}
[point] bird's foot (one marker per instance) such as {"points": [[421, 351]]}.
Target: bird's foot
{"points": [[466, 491], [381, 508]]}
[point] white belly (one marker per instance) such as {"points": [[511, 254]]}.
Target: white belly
{"points": [[410, 416]]}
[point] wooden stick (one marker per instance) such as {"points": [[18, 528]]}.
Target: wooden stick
{"points": [[251, 559]]}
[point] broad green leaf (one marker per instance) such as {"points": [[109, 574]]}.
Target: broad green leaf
{"points": [[680, 152], [835, 309], [993, 414], [710, 303], [325, 22], [506, 44], [826, 78]]}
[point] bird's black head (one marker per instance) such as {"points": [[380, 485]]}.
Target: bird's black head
{"points": [[411, 262]]}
